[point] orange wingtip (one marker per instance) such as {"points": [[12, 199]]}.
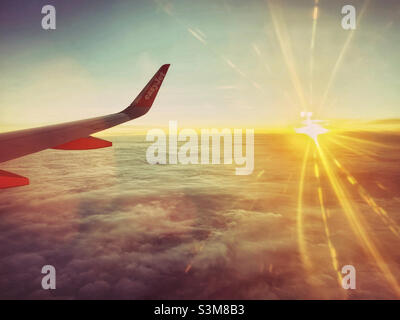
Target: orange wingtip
{"points": [[10, 180], [143, 102]]}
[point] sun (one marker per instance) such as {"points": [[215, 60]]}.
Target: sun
{"points": [[312, 128]]}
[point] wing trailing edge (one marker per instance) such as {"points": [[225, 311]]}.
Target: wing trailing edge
{"points": [[10, 180], [84, 144]]}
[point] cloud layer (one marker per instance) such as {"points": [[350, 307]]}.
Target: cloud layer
{"points": [[115, 227]]}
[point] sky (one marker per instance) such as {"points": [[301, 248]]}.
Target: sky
{"points": [[115, 226], [234, 64]]}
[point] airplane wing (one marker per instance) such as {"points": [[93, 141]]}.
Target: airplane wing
{"points": [[74, 135]]}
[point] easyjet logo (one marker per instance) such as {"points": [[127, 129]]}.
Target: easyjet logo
{"points": [[155, 86]]}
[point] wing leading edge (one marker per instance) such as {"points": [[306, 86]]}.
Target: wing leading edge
{"points": [[73, 135]]}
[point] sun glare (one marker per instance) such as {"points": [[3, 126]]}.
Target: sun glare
{"points": [[312, 128]]}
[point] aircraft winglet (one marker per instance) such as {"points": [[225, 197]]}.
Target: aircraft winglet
{"points": [[143, 102]]}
